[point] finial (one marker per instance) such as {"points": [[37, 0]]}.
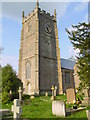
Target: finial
{"points": [[23, 14], [37, 3], [55, 13]]}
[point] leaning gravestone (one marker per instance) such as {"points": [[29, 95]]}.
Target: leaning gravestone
{"points": [[71, 98], [58, 108], [16, 109]]}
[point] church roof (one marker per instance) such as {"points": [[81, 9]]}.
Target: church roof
{"points": [[68, 64]]}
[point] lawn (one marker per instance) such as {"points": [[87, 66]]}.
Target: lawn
{"points": [[41, 107]]}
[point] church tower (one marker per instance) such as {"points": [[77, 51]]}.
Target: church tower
{"points": [[39, 54]]}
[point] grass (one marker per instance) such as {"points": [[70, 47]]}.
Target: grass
{"points": [[41, 107]]}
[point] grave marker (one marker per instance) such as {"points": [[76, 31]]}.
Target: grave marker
{"points": [[58, 108], [55, 91], [16, 109], [70, 95], [46, 94], [86, 101], [52, 98], [20, 94]]}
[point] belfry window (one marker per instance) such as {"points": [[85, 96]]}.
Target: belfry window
{"points": [[28, 70]]}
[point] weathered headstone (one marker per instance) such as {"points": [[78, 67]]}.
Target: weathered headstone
{"points": [[52, 98], [55, 91], [4, 112], [86, 101], [88, 114], [58, 108], [20, 94], [16, 109], [46, 94], [71, 98], [32, 97]]}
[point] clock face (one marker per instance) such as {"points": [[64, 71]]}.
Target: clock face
{"points": [[48, 28]]}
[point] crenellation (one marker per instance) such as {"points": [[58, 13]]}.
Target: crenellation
{"points": [[30, 15], [52, 16], [48, 14], [43, 11]]}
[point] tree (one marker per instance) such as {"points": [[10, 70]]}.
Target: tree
{"points": [[10, 82], [80, 38]]}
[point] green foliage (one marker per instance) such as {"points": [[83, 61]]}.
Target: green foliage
{"points": [[5, 97], [88, 108], [80, 38], [79, 96], [24, 96], [9, 82]]}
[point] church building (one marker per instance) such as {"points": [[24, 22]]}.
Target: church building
{"points": [[39, 55]]}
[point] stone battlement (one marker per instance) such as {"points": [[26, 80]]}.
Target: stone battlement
{"points": [[30, 15], [46, 13], [34, 12]]}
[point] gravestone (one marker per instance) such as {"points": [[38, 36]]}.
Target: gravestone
{"points": [[46, 94], [20, 94], [55, 91], [71, 98], [16, 109], [88, 114], [5, 112], [32, 97], [86, 101], [52, 98], [58, 108]]}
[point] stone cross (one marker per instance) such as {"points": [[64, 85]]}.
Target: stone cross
{"points": [[52, 92], [20, 94], [16, 109], [55, 91]]}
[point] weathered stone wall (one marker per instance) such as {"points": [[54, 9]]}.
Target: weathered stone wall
{"points": [[28, 53], [48, 58], [71, 85]]}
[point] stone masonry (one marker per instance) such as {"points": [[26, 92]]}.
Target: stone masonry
{"points": [[39, 47]]}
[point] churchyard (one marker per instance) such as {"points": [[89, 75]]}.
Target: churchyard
{"points": [[41, 107], [41, 75]]}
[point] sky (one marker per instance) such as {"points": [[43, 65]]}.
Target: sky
{"points": [[68, 13]]}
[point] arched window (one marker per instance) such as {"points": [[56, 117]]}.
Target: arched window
{"points": [[28, 70]]}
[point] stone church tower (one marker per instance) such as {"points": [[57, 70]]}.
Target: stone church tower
{"points": [[39, 54]]}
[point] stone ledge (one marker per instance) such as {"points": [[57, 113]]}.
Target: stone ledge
{"points": [[71, 111]]}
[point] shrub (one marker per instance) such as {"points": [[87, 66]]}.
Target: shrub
{"points": [[9, 82], [24, 96], [5, 97]]}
